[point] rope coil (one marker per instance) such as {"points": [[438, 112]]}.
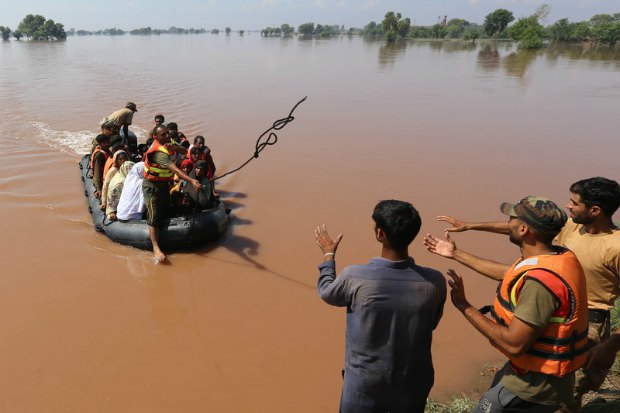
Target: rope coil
{"points": [[272, 139]]}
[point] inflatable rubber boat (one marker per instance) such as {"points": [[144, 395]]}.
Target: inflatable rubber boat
{"points": [[177, 233]]}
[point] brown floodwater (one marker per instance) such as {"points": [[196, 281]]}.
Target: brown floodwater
{"points": [[87, 325]]}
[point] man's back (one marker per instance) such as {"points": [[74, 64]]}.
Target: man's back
{"points": [[393, 308]]}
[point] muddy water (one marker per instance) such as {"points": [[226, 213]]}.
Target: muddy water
{"points": [[89, 325]]}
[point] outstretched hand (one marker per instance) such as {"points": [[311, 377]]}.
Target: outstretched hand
{"points": [[438, 246], [324, 241], [457, 292], [457, 226]]}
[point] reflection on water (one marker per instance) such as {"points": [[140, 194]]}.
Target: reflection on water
{"points": [[390, 52], [493, 56]]}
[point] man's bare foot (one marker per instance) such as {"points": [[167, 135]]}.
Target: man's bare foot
{"points": [[112, 216], [159, 256]]}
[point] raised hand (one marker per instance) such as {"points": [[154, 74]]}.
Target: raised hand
{"points": [[457, 290], [325, 242], [457, 226], [440, 247]]}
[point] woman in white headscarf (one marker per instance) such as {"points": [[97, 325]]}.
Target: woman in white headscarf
{"points": [[131, 204], [116, 188]]}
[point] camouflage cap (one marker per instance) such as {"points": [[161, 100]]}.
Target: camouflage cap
{"points": [[132, 106], [540, 213]]}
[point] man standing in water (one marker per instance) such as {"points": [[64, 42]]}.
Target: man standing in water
{"points": [[159, 172], [393, 306], [595, 239], [540, 314]]}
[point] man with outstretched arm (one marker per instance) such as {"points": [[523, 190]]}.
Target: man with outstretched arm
{"points": [[595, 239], [539, 318], [159, 172], [393, 306]]}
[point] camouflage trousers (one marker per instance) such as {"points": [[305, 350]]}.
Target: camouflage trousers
{"points": [[589, 380]]}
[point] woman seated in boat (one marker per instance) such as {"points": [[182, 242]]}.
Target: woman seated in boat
{"points": [[116, 188], [119, 157], [179, 184]]}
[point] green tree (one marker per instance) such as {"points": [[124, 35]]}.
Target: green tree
{"points": [[227, 31], [455, 28], [37, 28], [17, 35], [306, 28], [473, 32], [287, 30], [497, 21], [439, 31], [372, 29], [528, 32], [606, 33], [215, 31], [394, 27], [5, 32], [241, 32], [560, 30]]}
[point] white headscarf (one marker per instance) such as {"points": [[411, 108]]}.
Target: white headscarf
{"points": [[131, 204]]}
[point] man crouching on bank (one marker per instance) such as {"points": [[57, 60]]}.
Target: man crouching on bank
{"points": [[393, 306]]}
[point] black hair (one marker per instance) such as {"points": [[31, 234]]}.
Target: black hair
{"points": [[149, 142], [185, 144], [173, 126], [598, 191], [102, 138], [142, 148], [116, 139], [154, 132], [399, 220], [199, 137], [159, 117], [116, 146], [194, 150]]}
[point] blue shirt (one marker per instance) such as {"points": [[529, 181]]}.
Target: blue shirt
{"points": [[392, 309]]}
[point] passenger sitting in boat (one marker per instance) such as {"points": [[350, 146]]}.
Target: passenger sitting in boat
{"points": [[131, 204], [175, 135], [203, 196], [194, 156], [179, 186], [117, 159], [159, 171], [115, 190], [97, 162], [114, 147], [107, 129], [182, 204], [205, 155]]}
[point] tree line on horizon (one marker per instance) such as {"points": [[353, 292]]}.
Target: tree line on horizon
{"points": [[528, 32]]}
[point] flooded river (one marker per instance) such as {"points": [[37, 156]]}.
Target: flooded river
{"points": [[87, 325]]}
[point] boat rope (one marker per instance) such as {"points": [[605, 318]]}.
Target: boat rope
{"points": [[272, 139]]}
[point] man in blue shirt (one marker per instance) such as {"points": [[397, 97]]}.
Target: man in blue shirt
{"points": [[393, 306]]}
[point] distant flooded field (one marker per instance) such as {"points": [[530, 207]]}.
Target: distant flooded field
{"points": [[453, 127]]}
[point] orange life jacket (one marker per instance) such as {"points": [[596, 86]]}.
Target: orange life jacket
{"points": [[92, 155], [561, 347], [108, 164], [153, 171]]}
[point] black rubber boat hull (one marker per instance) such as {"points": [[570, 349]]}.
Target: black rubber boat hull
{"points": [[177, 233]]}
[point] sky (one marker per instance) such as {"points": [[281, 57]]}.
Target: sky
{"points": [[258, 14]]}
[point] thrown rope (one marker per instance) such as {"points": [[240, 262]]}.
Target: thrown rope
{"points": [[272, 139]]}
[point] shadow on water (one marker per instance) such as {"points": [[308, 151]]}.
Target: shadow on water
{"points": [[246, 248]]}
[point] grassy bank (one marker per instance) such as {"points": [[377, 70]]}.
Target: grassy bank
{"points": [[607, 400]]}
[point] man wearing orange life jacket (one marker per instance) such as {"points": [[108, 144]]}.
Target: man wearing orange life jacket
{"points": [[98, 158], [159, 173], [539, 319]]}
